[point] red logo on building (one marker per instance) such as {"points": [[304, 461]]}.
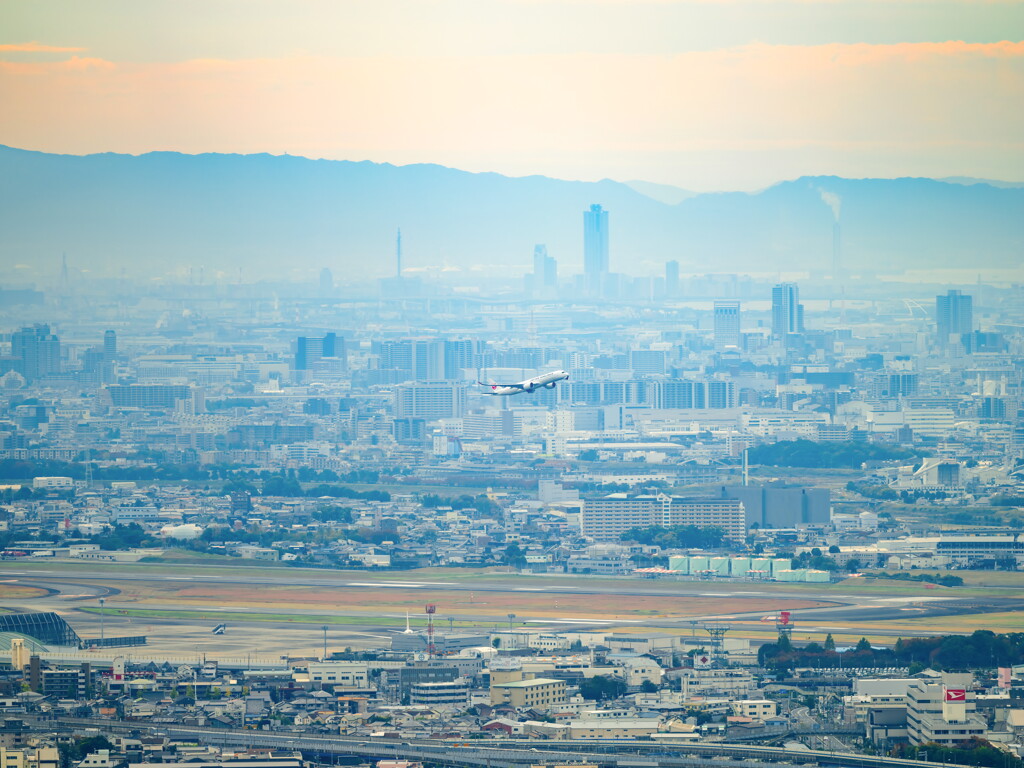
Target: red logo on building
{"points": [[956, 694]]}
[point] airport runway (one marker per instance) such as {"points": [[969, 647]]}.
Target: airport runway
{"points": [[66, 592]]}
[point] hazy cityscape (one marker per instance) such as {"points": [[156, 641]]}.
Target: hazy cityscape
{"points": [[350, 414]]}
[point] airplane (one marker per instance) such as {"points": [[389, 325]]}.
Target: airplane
{"points": [[547, 380]]}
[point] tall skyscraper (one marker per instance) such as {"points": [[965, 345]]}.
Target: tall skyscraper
{"points": [[326, 282], [595, 248], [672, 278], [423, 359], [787, 311], [36, 350], [954, 315], [398, 253], [109, 346], [462, 354], [322, 354], [545, 269], [727, 325]]}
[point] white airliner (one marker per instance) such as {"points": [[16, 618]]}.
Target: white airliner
{"points": [[529, 385]]}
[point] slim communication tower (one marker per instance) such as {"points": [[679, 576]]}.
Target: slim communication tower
{"points": [[430, 610], [717, 632]]}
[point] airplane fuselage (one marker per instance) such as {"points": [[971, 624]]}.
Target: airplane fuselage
{"points": [[532, 384]]}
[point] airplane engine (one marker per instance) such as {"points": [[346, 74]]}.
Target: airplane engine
{"points": [[550, 385], [529, 387]]}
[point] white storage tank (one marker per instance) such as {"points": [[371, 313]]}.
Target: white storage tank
{"points": [[719, 565], [738, 566], [819, 577], [698, 564], [781, 564], [679, 563]]}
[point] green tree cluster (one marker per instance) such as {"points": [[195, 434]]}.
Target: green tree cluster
{"points": [[809, 454], [949, 653], [675, 536]]}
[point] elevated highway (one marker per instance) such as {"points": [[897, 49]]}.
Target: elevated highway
{"points": [[507, 753]]}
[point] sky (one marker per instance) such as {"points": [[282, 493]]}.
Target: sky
{"points": [[701, 94]]}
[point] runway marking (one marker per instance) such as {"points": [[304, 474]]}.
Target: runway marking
{"points": [[584, 621], [396, 584], [530, 589], [392, 585], [920, 599]]}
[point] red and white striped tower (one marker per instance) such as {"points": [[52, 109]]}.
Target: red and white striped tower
{"points": [[431, 609]]}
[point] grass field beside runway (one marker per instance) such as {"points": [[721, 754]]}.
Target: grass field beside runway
{"points": [[219, 617], [19, 592], [373, 601]]}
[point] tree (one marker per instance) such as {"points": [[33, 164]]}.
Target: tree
{"points": [[648, 687], [833, 550], [514, 556], [830, 643], [602, 687], [863, 645]]}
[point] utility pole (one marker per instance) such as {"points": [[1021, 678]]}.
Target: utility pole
{"points": [[324, 628]]}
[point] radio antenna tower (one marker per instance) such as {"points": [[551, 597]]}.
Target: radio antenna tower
{"points": [[431, 609]]}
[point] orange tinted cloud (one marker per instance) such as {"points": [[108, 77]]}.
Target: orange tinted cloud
{"points": [[946, 108], [35, 47]]}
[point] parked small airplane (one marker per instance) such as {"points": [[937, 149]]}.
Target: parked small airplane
{"points": [[529, 385]]}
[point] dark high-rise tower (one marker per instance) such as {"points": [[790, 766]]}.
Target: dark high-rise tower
{"points": [[37, 351], [787, 311], [595, 248], [727, 325], [109, 346], [312, 352], [954, 315]]}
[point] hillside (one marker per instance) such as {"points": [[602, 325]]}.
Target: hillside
{"points": [[285, 216]]}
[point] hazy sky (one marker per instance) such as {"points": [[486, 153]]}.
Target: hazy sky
{"points": [[703, 94]]}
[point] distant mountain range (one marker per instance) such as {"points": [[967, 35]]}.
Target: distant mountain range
{"points": [[285, 216]]}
